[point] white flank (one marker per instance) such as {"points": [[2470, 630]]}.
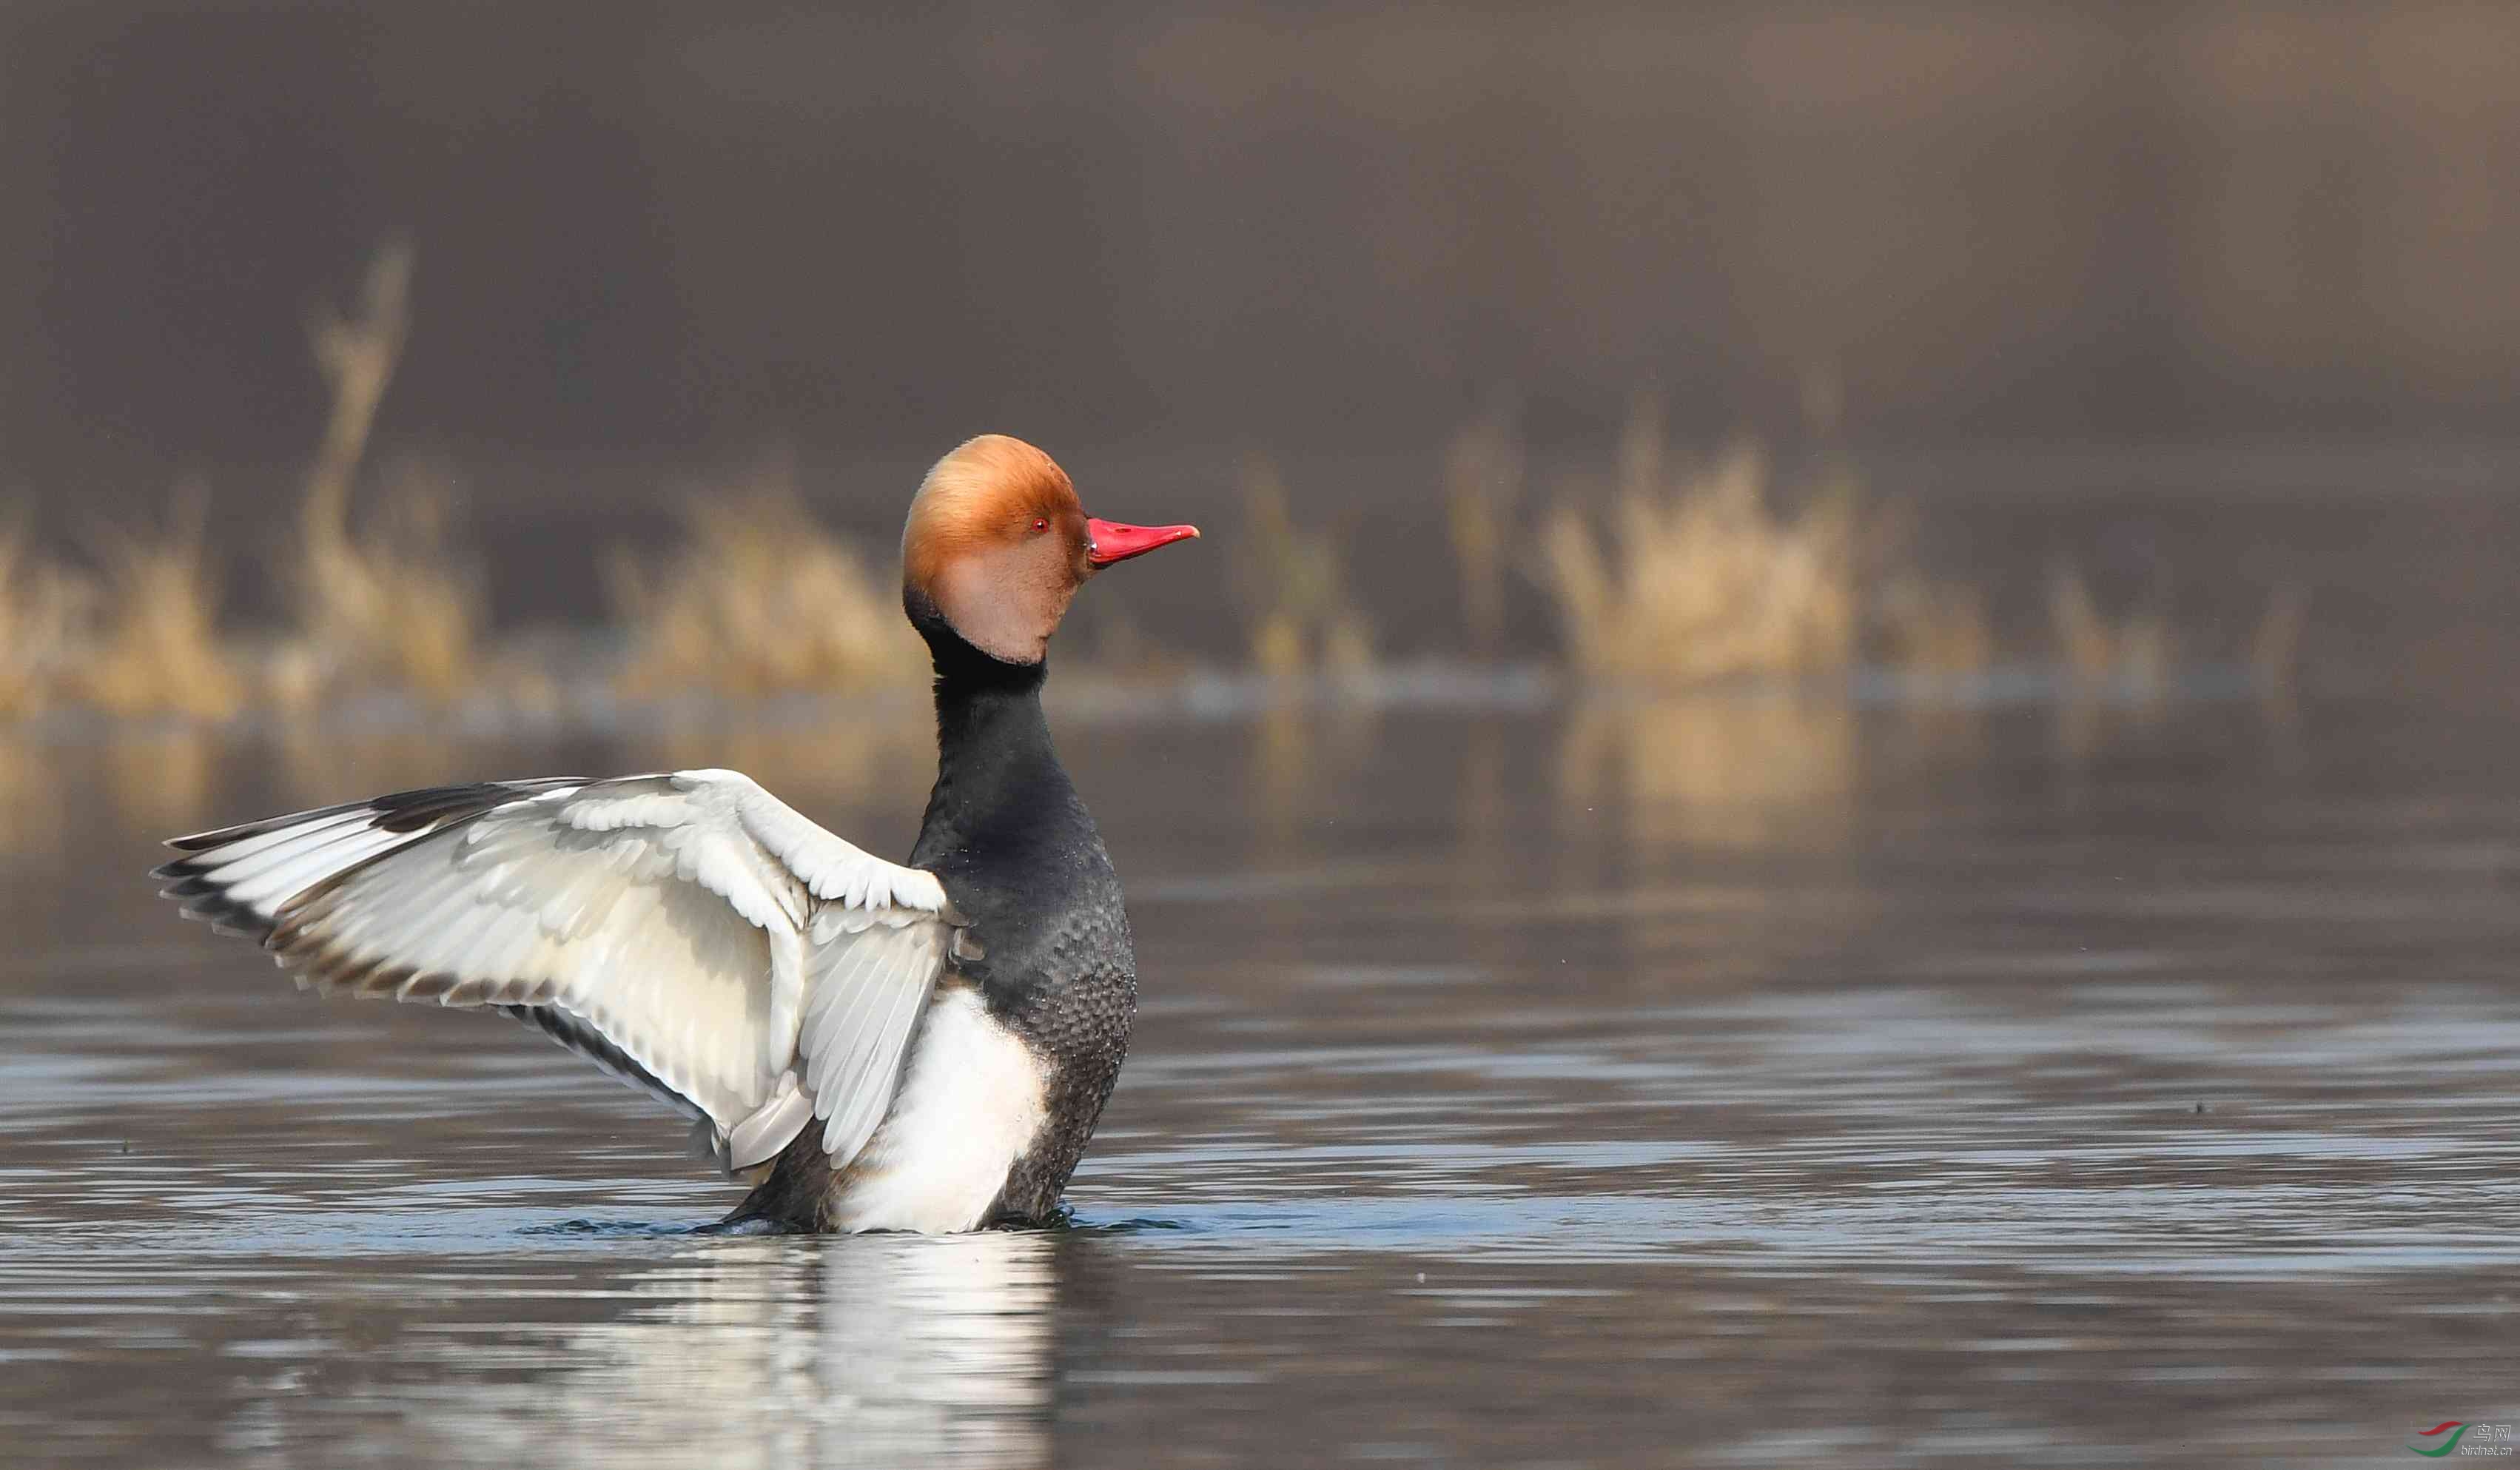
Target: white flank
{"points": [[972, 1099]]}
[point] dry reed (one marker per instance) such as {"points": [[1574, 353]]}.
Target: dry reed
{"points": [[39, 611], [1299, 613], [1483, 475], [2138, 651], [1700, 579], [761, 599], [159, 651], [392, 604]]}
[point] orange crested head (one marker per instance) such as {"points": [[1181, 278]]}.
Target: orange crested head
{"points": [[997, 544]]}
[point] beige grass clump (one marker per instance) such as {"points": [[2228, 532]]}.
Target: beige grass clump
{"points": [[762, 599], [1300, 615], [39, 614], [392, 604], [2138, 650], [157, 650], [1699, 579]]}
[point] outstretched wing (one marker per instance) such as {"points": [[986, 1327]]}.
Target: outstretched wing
{"points": [[688, 931]]}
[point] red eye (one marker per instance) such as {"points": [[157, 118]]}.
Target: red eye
{"points": [[1041, 525]]}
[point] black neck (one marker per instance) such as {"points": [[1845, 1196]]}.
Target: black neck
{"points": [[996, 772], [1016, 851]]}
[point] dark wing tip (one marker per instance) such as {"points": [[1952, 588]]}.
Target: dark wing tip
{"points": [[197, 841], [188, 885], [421, 811], [412, 811]]}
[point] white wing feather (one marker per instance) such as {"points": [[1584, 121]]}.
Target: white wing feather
{"points": [[757, 968]]}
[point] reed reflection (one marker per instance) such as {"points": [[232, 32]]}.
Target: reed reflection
{"points": [[1301, 749], [321, 761], [33, 809], [159, 780], [1713, 770]]}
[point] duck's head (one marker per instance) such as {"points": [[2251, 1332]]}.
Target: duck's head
{"points": [[997, 544]]}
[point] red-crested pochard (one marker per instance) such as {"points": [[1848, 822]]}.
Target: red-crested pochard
{"points": [[880, 1047]]}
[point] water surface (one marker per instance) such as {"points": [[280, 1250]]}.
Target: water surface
{"points": [[1739, 1080]]}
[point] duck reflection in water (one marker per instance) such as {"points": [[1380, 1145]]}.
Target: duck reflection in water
{"points": [[749, 1353]]}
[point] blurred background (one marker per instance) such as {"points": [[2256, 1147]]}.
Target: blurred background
{"points": [[1833, 780], [2044, 280]]}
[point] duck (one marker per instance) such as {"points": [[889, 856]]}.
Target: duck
{"points": [[924, 1047]]}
